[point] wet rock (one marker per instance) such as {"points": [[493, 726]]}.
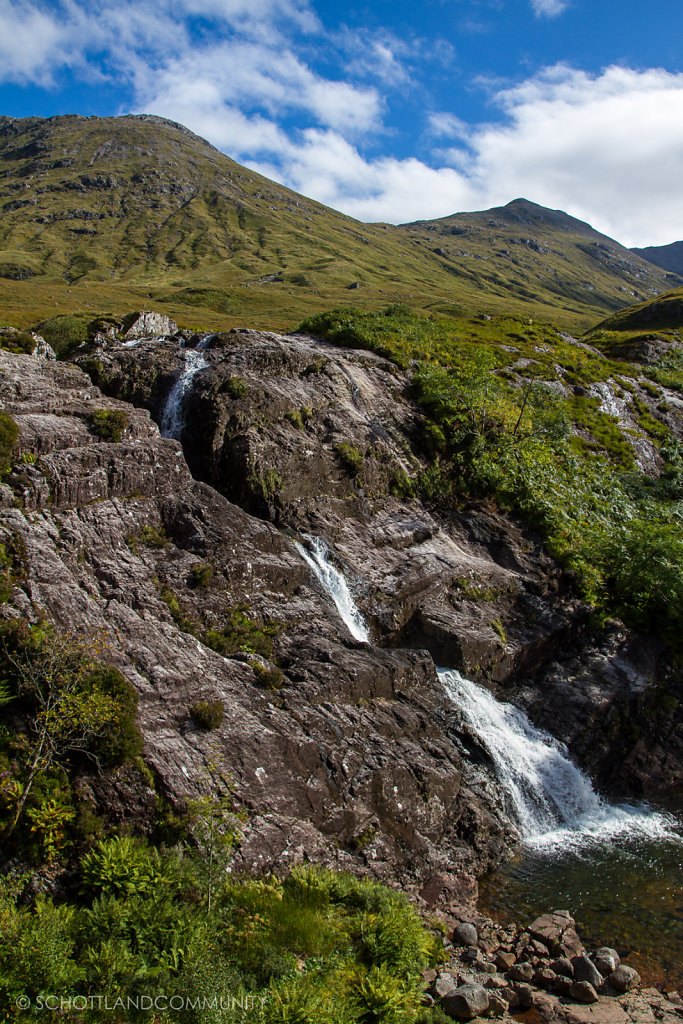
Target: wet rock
{"points": [[624, 978], [465, 935], [466, 1002]]}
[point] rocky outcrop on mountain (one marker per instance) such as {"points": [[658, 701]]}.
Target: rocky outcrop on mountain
{"points": [[325, 441], [336, 750]]}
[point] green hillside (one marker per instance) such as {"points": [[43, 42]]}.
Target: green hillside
{"points": [[118, 213]]}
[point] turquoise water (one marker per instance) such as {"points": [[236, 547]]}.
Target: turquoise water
{"points": [[628, 895]]}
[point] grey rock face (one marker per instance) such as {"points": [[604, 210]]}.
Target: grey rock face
{"points": [[354, 743]]}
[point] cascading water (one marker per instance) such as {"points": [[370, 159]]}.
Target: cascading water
{"points": [[316, 554], [173, 416], [552, 802], [618, 867]]}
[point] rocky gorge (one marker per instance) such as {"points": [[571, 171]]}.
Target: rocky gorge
{"points": [[338, 751]]}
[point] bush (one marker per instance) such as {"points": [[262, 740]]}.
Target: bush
{"points": [[269, 678], [119, 867], [201, 574], [235, 387], [124, 741], [241, 635], [65, 333], [17, 342], [208, 714], [9, 432], [350, 457], [109, 424]]}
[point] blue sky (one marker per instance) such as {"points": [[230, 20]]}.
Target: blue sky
{"points": [[389, 110]]}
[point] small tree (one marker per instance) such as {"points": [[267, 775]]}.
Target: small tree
{"points": [[214, 827], [52, 671]]}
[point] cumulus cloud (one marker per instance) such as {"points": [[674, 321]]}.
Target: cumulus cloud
{"points": [[606, 147], [549, 8]]}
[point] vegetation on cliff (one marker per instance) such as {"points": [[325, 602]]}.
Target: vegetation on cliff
{"points": [[518, 414]]}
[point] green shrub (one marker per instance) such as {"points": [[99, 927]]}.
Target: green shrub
{"points": [[235, 387], [109, 424], [65, 333], [269, 678], [295, 418], [350, 457], [201, 574], [381, 998], [240, 634], [121, 866], [123, 742], [17, 342], [9, 433], [208, 714]]}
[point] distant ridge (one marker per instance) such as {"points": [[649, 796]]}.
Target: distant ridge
{"points": [[117, 213], [668, 257]]}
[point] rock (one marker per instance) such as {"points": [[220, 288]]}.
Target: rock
{"points": [[148, 325], [521, 972], [556, 931], [466, 1002], [606, 960], [562, 985], [443, 984], [544, 978], [464, 934], [583, 992], [497, 1005], [525, 995], [562, 966], [624, 978], [510, 996], [504, 961], [496, 981], [585, 970]]}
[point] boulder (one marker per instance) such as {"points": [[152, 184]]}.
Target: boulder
{"points": [[497, 1005], [465, 935], [521, 972], [585, 970], [606, 960], [149, 325], [466, 1002], [583, 992]]}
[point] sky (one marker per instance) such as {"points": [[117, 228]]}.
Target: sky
{"points": [[394, 110]]}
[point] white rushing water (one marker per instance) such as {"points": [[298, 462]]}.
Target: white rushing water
{"points": [[173, 416], [552, 802], [316, 553]]}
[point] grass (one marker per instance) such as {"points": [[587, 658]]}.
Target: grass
{"points": [[216, 245]]}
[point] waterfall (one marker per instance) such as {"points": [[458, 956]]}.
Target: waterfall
{"points": [[173, 416], [316, 553], [551, 801]]}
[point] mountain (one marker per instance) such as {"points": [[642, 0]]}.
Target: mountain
{"points": [[110, 213], [668, 257]]}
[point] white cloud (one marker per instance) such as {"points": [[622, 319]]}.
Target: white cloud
{"points": [[607, 149], [549, 8]]}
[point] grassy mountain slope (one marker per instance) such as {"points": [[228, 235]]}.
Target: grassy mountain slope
{"points": [[118, 213], [668, 257], [525, 250]]}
